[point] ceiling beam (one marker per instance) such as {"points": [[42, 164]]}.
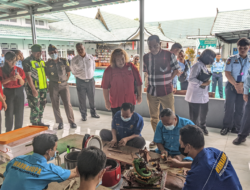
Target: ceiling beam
{"points": [[13, 4], [59, 7], [43, 3], [4, 10]]}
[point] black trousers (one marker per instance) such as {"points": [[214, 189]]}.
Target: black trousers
{"points": [[245, 125], [15, 107], [234, 108], [184, 85], [137, 142], [198, 113], [86, 89]]}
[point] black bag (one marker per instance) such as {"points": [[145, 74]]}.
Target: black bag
{"points": [[204, 77], [183, 76]]}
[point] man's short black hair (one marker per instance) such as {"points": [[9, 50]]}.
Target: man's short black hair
{"points": [[166, 112], [218, 54], [43, 143], [207, 56], [154, 37], [243, 42], [176, 46], [193, 135], [78, 44], [126, 106], [90, 162]]}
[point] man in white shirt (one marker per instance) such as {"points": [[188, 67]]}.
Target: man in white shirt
{"points": [[83, 67]]}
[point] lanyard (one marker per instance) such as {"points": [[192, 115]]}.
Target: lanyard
{"points": [[241, 66]]}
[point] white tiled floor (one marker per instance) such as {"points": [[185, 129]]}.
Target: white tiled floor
{"points": [[239, 155]]}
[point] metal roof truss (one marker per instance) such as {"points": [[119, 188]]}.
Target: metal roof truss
{"points": [[17, 8], [233, 37]]}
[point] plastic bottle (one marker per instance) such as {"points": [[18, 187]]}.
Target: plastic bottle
{"points": [[57, 159], [68, 149]]}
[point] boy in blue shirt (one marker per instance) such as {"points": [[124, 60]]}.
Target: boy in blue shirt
{"points": [[211, 168], [167, 133], [126, 128], [32, 172]]}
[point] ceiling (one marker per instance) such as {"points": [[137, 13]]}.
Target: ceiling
{"points": [[18, 8]]}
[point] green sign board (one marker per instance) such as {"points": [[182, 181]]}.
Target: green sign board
{"points": [[207, 43]]}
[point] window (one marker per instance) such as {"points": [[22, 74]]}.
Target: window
{"points": [[41, 23], [13, 20], [27, 21], [38, 22]]}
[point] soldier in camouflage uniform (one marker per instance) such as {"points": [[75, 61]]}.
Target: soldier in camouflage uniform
{"points": [[36, 85], [58, 72]]}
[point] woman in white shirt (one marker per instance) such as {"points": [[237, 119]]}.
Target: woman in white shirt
{"points": [[197, 92]]}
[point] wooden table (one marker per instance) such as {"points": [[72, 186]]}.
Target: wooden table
{"points": [[127, 156]]}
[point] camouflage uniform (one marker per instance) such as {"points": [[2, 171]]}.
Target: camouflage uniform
{"points": [[37, 104]]}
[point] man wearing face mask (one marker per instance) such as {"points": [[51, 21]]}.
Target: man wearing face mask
{"points": [[211, 168], [161, 67], [32, 172], [91, 164], [167, 133], [58, 71], [126, 128], [36, 85]]}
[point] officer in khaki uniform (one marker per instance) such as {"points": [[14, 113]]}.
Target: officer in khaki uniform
{"points": [[58, 71], [36, 85]]}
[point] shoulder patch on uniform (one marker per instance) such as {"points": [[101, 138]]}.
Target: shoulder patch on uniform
{"points": [[228, 61], [222, 164]]}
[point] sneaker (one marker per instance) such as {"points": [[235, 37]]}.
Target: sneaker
{"points": [[152, 144], [239, 140]]}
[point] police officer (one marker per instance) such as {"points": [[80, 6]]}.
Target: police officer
{"points": [[185, 69], [245, 128], [36, 86], [58, 71], [211, 168], [217, 70], [236, 72]]}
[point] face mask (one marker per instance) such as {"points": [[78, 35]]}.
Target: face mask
{"points": [[99, 184], [52, 158], [54, 56], [125, 119], [171, 127], [182, 151]]}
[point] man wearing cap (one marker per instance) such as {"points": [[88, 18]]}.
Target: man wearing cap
{"points": [[58, 71], [36, 85]]}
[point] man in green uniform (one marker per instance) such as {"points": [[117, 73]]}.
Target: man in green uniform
{"points": [[58, 71], [36, 85]]}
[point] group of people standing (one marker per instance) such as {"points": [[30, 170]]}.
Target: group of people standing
{"points": [[36, 72]]}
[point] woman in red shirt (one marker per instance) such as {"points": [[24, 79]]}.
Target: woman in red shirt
{"points": [[13, 80], [118, 82]]}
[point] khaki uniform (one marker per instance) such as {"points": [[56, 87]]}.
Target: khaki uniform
{"points": [[58, 86]]}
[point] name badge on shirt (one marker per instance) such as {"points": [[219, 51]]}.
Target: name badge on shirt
{"points": [[236, 61], [36, 64], [131, 126], [129, 69]]}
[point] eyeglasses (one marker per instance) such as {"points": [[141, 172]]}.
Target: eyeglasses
{"points": [[137, 59]]}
